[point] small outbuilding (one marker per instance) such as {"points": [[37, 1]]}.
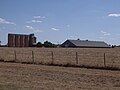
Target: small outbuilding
{"points": [[85, 44]]}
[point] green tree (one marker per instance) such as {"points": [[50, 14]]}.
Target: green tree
{"points": [[39, 44], [48, 44]]}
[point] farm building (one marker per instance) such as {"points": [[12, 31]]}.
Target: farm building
{"points": [[21, 40], [85, 44]]}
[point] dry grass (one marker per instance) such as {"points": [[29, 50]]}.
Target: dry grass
{"points": [[93, 57], [15, 76]]}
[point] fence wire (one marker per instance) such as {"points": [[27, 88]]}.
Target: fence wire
{"points": [[97, 59]]}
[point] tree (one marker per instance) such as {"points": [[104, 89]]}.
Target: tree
{"points": [[48, 44], [39, 44]]}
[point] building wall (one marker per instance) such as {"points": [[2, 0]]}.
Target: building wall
{"points": [[22, 37], [20, 40], [68, 44], [31, 36], [26, 41], [17, 40], [85, 44], [34, 39], [11, 40]]}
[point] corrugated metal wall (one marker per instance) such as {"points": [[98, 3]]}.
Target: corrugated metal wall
{"points": [[19, 40]]}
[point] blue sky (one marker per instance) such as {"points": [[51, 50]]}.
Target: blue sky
{"points": [[58, 20]]}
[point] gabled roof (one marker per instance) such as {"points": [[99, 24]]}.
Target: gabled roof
{"points": [[86, 43]]}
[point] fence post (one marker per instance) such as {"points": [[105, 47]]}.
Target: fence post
{"points": [[76, 57], [104, 60], [52, 57], [15, 55], [33, 57]]}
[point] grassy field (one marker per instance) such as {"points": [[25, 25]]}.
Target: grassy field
{"points": [[16, 76], [93, 57]]}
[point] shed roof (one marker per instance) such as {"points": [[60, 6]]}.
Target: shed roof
{"points": [[86, 43]]}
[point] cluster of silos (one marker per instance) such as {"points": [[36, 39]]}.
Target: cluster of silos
{"points": [[21, 40]]}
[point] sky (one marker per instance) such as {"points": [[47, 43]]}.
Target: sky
{"points": [[59, 20]]}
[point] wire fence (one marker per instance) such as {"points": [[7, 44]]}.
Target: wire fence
{"points": [[93, 59]]}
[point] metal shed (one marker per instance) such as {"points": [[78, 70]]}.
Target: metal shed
{"points": [[85, 44]]}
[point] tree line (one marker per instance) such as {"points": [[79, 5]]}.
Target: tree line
{"points": [[45, 44]]}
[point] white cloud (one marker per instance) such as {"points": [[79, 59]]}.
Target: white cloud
{"points": [[68, 25], [30, 27], [114, 15], [3, 21], [105, 33], [34, 21], [55, 29], [38, 17], [33, 30], [37, 30]]}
